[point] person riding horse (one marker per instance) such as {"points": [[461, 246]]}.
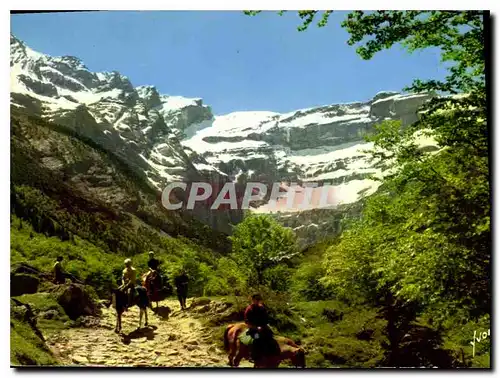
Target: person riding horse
{"points": [[153, 265], [152, 262], [257, 320], [152, 280], [129, 281]]}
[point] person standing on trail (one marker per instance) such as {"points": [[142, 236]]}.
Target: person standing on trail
{"points": [[59, 277], [257, 319], [181, 285], [129, 281]]}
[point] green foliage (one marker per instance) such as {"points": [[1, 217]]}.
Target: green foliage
{"points": [[334, 344], [27, 346], [306, 15], [41, 303], [102, 270], [277, 278], [423, 241], [306, 282], [83, 260], [228, 279], [458, 337], [425, 237], [458, 34], [260, 243]]}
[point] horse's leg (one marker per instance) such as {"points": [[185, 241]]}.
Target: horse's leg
{"points": [[237, 359], [232, 351], [239, 354], [118, 322], [140, 316], [146, 316]]}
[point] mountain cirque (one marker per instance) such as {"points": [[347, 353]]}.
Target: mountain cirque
{"points": [[173, 138]]}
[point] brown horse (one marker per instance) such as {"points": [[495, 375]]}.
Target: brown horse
{"points": [[237, 350], [152, 283]]}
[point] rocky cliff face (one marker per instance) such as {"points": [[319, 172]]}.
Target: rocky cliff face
{"points": [[173, 138]]}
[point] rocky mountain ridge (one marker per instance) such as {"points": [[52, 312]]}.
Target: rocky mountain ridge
{"points": [[173, 138]]}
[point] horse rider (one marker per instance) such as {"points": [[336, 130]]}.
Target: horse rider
{"points": [[59, 277], [129, 281], [153, 263], [181, 285], [257, 319]]}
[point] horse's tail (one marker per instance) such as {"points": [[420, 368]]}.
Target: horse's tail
{"points": [[301, 358], [226, 337], [113, 299]]}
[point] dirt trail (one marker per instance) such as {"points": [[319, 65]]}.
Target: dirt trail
{"points": [[179, 341]]}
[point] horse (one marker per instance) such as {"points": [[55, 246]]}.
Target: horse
{"points": [[120, 300], [237, 350], [152, 283]]}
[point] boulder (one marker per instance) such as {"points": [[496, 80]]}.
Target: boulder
{"points": [[231, 315], [76, 300], [88, 322], [50, 314], [23, 283], [203, 309], [199, 302]]}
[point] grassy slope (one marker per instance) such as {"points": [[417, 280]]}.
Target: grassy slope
{"points": [[66, 184], [27, 348]]}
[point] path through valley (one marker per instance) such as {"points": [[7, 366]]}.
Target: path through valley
{"points": [[179, 341]]}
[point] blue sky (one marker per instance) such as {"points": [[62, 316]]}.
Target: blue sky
{"points": [[234, 62]]}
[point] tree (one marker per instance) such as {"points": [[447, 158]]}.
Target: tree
{"points": [[260, 243], [459, 35], [425, 237], [306, 15]]}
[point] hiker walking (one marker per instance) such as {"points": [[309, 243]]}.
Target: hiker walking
{"points": [[181, 285]]}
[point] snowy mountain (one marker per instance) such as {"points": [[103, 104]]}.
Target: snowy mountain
{"points": [[173, 138]]}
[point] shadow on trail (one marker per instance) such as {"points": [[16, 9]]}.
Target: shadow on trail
{"points": [[163, 312], [147, 332]]}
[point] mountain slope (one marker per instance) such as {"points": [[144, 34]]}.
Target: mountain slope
{"points": [[66, 184], [171, 138]]}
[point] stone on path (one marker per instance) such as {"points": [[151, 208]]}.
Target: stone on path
{"points": [[77, 359]]}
